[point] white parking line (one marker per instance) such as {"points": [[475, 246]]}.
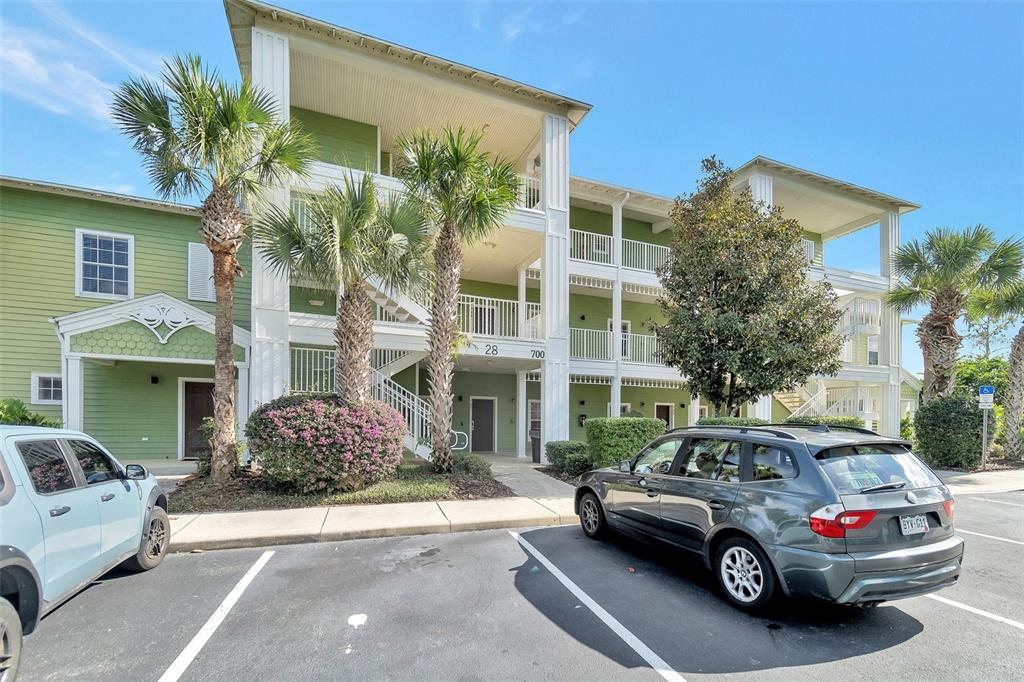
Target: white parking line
{"points": [[986, 614], [655, 661], [188, 654], [990, 537], [982, 499]]}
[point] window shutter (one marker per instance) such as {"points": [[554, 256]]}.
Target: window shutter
{"points": [[200, 273]]}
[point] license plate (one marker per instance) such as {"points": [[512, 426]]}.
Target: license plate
{"points": [[912, 525]]}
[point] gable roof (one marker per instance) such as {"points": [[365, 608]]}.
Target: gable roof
{"points": [[96, 195]]}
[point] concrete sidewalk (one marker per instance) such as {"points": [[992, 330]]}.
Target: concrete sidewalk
{"points": [[965, 483], [225, 530]]}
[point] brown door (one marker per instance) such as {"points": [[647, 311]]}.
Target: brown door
{"points": [[482, 426], [664, 413], [198, 406]]}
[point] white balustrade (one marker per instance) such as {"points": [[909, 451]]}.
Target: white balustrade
{"points": [[643, 256], [529, 192], [590, 344], [841, 401], [590, 247], [485, 316], [641, 348], [533, 323], [312, 370]]}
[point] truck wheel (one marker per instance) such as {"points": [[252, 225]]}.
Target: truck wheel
{"points": [[154, 547], [10, 641]]}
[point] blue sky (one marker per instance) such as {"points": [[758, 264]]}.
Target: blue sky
{"points": [[923, 101]]}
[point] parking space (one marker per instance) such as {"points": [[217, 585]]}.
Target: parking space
{"points": [[482, 606]]}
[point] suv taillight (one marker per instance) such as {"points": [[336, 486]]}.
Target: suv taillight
{"points": [[832, 521], [949, 506]]}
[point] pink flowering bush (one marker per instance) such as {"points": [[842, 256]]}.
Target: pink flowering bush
{"points": [[317, 443]]}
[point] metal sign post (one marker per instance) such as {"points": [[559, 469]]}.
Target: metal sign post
{"points": [[986, 399]]}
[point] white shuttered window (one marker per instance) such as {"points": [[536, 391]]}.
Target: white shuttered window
{"points": [[200, 273]]}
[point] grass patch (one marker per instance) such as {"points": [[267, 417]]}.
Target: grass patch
{"points": [[413, 482]]}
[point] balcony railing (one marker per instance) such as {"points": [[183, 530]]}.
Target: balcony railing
{"points": [[529, 192], [590, 247], [862, 312], [590, 344], [641, 348], [643, 256], [312, 370], [485, 316]]}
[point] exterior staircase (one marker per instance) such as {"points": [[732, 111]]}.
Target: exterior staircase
{"points": [[398, 306], [791, 400], [390, 362], [415, 412]]}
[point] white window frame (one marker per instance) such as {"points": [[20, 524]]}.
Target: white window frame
{"points": [[810, 249], [36, 376], [195, 295], [623, 408], [671, 413], [79, 292], [702, 411]]}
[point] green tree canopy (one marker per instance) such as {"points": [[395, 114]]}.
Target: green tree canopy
{"points": [[974, 372], [743, 320]]}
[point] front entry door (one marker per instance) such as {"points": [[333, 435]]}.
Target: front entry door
{"points": [[663, 412], [482, 424], [198, 399]]}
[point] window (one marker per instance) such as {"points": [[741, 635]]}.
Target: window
{"points": [[712, 460], [104, 264], [657, 458], [624, 409], [95, 464], [47, 389], [854, 468], [873, 349], [809, 249], [772, 463], [702, 411], [46, 466], [200, 273], [534, 414]]}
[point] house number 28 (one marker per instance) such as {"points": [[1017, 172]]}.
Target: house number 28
{"points": [[491, 349]]}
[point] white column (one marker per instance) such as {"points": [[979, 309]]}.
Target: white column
{"points": [[616, 335], [890, 339], [693, 411], [522, 414], [761, 408], [269, 358], [242, 411], [762, 189], [521, 301], [74, 394], [555, 282]]}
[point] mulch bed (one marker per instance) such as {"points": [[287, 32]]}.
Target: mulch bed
{"points": [[247, 491], [560, 475]]}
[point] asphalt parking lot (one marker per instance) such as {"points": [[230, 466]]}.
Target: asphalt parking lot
{"points": [[484, 606]]}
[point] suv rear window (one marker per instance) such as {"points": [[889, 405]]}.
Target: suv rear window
{"points": [[856, 468]]}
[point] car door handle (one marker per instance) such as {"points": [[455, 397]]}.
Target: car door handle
{"points": [[106, 498], [60, 511], [715, 504], [652, 492]]}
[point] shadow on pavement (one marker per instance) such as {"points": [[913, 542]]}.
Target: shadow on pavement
{"points": [[670, 602]]}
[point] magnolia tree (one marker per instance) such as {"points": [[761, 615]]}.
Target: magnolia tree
{"points": [[742, 319]]}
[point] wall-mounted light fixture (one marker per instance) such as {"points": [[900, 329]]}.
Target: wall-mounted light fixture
{"points": [[460, 398], [583, 402], [316, 303], [154, 380]]}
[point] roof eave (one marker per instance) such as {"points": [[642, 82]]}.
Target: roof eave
{"points": [[96, 195]]}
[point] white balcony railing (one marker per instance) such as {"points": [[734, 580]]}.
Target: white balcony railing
{"points": [[312, 370], [529, 192], [485, 316], [841, 401], [643, 256], [590, 247], [590, 344], [862, 312], [641, 348]]}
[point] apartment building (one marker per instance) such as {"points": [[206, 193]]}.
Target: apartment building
{"points": [[556, 306]]}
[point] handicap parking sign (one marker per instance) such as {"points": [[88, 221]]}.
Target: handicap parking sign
{"points": [[986, 396]]}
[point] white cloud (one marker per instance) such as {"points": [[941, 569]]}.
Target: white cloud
{"points": [[514, 25]]}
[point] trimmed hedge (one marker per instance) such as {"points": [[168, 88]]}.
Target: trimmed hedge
{"points": [[828, 420], [558, 451], [731, 421], [948, 431], [577, 463], [613, 439], [471, 465]]}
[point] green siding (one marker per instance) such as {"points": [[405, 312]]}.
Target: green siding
{"points": [[37, 272], [132, 338], [597, 310], [780, 412], [340, 141], [130, 414], [595, 399], [299, 300], [908, 392], [594, 221], [819, 249]]}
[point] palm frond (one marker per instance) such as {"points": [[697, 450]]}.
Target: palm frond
{"points": [[906, 297]]}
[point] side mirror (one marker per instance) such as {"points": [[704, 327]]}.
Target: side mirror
{"points": [[626, 466], [136, 472]]}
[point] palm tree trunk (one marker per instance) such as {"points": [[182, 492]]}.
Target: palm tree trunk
{"points": [[940, 345], [1014, 401], [442, 334], [353, 341], [223, 227]]}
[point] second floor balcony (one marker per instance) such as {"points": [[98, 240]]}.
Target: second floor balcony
{"points": [[599, 249], [596, 344]]}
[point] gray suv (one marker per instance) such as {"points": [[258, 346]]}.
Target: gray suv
{"points": [[840, 514]]}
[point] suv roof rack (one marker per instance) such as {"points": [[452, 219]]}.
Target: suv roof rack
{"points": [[742, 429], [828, 428]]}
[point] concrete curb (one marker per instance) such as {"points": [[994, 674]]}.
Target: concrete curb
{"points": [[233, 530]]}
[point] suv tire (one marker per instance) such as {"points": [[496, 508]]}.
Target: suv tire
{"points": [[745, 574], [154, 544], [10, 641], [592, 516]]}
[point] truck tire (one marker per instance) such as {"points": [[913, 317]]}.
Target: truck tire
{"points": [[154, 546], [10, 641]]}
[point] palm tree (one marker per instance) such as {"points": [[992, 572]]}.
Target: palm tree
{"points": [[345, 237], [199, 134], [1007, 304], [943, 271], [465, 194]]}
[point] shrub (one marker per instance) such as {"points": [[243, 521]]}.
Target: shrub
{"points": [[13, 411], [471, 465], [315, 442], [558, 451], [828, 420], [948, 431], [731, 421], [577, 463], [907, 428], [613, 439]]}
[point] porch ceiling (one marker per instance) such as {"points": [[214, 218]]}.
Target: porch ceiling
{"points": [[476, 363], [496, 258]]}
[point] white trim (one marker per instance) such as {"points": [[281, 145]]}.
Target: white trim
{"points": [[34, 388], [671, 413], [181, 409], [702, 411], [130, 238], [494, 432], [147, 358]]}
